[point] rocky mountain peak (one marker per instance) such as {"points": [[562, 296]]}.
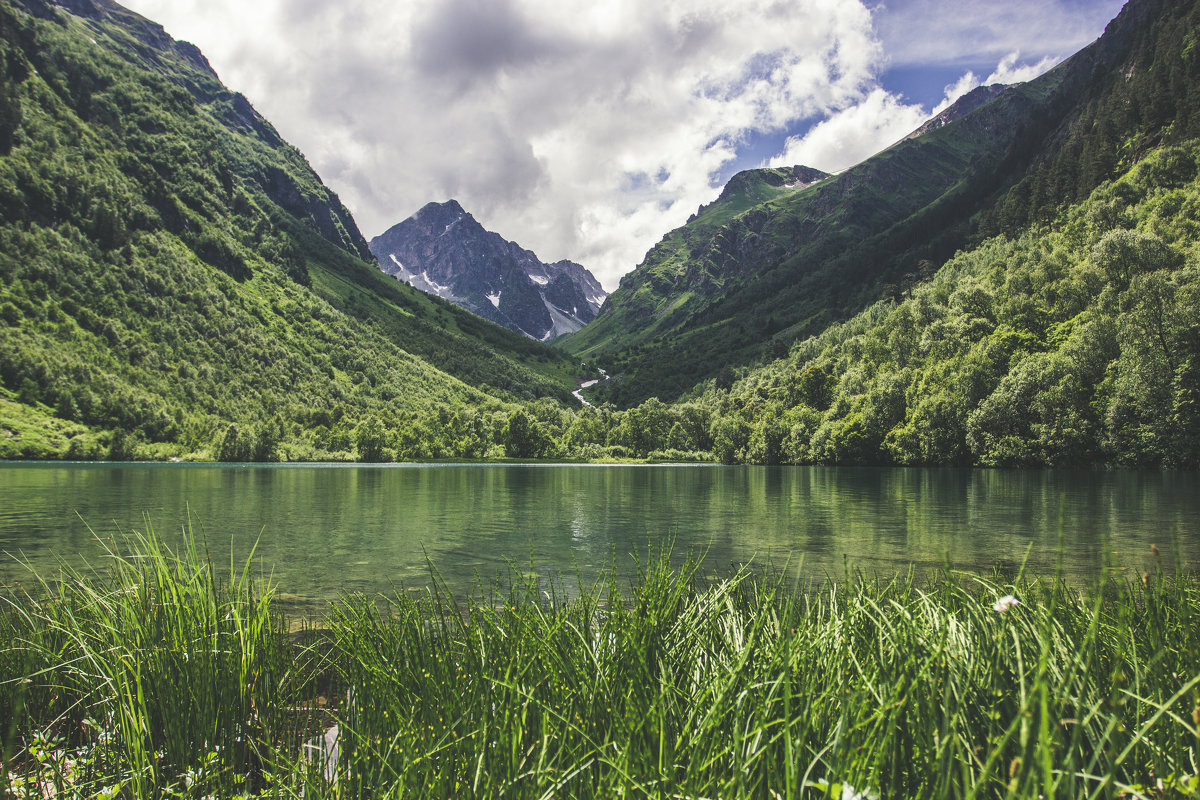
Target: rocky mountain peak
{"points": [[779, 177], [753, 186], [445, 213], [445, 251]]}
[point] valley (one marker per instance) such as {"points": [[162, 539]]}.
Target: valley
{"points": [[220, 303], [870, 482]]}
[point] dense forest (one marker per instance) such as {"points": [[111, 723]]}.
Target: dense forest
{"points": [[1075, 342]]}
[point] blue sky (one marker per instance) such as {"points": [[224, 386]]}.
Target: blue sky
{"points": [[586, 129], [980, 35]]}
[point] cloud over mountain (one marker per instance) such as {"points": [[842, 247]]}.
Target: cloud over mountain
{"points": [[584, 129]]}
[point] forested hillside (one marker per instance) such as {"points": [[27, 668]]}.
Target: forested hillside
{"points": [[784, 269], [175, 279], [1074, 342]]}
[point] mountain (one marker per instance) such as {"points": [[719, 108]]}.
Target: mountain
{"points": [[444, 251], [176, 281], [1064, 332], [1071, 344], [712, 296], [964, 105]]}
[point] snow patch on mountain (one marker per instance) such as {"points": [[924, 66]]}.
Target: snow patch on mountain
{"points": [[444, 251], [438, 289]]}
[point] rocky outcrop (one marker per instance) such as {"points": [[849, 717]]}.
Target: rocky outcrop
{"points": [[443, 250], [979, 96]]}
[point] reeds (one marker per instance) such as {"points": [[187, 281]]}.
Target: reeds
{"points": [[146, 676], [156, 679]]}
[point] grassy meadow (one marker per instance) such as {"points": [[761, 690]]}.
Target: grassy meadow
{"points": [[161, 674]]}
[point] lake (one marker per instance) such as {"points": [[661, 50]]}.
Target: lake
{"points": [[325, 529]]}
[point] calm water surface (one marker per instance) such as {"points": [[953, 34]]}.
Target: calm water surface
{"points": [[322, 530]]}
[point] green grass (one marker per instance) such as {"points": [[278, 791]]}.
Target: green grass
{"points": [[154, 677], [34, 432]]}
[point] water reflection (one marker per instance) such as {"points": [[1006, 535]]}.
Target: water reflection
{"points": [[322, 530]]}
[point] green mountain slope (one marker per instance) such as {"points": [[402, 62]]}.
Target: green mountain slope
{"points": [[688, 268], [170, 267], [1072, 343], [780, 271]]}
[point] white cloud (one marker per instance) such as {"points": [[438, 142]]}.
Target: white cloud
{"points": [[966, 83], [582, 130], [1009, 71], [585, 129], [967, 32], [856, 133], [880, 119]]}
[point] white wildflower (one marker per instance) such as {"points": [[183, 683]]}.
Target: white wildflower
{"points": [[1006, 603], [850, 793]]}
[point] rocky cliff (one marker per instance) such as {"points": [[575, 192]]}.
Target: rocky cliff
{"points": [[444, 251]]}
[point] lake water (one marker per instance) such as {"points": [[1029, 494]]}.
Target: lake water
{"points": [[325, 529]]}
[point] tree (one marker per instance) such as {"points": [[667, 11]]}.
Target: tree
{"points": [[523, 437], [766, 443], [234, 446], [814, 386], [265, 441], [1154, 337], [645, 427], [1172, 168], [725, 378], [1185, 415], [370, 439], [844, 441], [1040, 414], [730, 436], [587, 428], [697, 425], [1123, 254], [677, 438]]}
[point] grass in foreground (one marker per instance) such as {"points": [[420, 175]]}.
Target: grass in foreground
{"points": [[155, 678]]}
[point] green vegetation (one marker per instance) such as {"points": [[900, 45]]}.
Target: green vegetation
{"points": [[765, 276], [1074, 343], [170, 269], [176, 282], [152, 677], [1071, 343]]}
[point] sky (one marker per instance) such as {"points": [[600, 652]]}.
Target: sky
{"points": [[587, 129]]}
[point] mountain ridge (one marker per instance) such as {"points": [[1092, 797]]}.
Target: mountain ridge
{"points": [[964, 105], [315, 202], [710, 297], [443, 250]]}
